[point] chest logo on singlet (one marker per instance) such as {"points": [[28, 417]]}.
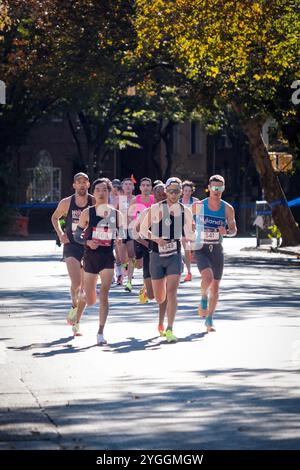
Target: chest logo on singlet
{"points": [[75, 219]]}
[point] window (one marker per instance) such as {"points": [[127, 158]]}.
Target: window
{"points": [[44, 180]]}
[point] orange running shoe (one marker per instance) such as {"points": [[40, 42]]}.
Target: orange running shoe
{"points": [[161, 330], [188, 277]]}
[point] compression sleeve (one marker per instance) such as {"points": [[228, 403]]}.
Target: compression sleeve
{"points": [[78, 235]]}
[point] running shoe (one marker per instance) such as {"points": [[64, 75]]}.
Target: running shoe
{"points": [[128, 287], [76, 330], [209, 324], [170, 337], [161, 330], [71, 317], [100, 339], [188, 277], [143, 296]]}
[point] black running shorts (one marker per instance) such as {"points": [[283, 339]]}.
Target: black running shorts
{"points": [[211, 256], [73, 250], [95, 261]]}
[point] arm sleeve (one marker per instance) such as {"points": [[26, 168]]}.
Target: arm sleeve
{"points": [[78, 235]]}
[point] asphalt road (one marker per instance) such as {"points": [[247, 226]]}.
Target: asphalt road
{"points": [[237, 388]]}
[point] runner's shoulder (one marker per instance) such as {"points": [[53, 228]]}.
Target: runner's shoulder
{"points": [[64, 204], [196, 205], [228, 206]]}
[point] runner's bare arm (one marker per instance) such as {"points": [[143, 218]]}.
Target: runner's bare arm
{"points": [[120, 226], [61, 211], [189, 226], [196, 207], [137, 228], [153, 216], [230, 217]]}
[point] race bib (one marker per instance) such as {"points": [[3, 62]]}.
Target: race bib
{"points": [[74, 226], [102, 236], [168, 249], [211, 235]]}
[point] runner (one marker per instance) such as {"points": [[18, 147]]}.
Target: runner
{"points": [[188, 188], [127, 247], [212, 215], [138, 204], [160, 195], [114, 196], [97, 229], [164, 225], [70, 208]]}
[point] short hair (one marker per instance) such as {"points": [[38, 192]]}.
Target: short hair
{"points": [[159, 185], [190, 184], [102, 180], [127, 179], [116, 183], [80, 175], [173, 179], [146, 179], [217, 178]]}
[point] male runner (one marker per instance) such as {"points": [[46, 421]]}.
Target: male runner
{"points": [[138, 204], [71, 208], [165, 224], [212, 216], [188, 188], [114, 197], [127, 246], [97, 230]]}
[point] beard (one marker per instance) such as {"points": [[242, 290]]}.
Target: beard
{"points": [[82, 192]]}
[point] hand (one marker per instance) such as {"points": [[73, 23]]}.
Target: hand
{"points": [[161, 242], [63, 238], [92, 244], [222, 231]]}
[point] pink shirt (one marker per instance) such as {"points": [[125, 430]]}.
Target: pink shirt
{"points": [[140, 206]]}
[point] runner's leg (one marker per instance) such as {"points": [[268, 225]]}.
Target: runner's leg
{"points": [[74, 270], [172, 283], [106, 276]]}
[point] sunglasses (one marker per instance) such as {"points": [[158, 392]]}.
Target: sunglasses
{"points": [[217, 188], [173, 191]]}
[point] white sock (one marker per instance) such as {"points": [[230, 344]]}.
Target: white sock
{"points": [[119, 270]]}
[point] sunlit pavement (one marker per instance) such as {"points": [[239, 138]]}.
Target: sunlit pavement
{"points": [[237, 388]]}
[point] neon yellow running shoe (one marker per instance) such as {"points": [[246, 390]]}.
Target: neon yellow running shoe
{"points": [[143, 296], [71, 317], [170, 337], [128, 287]]}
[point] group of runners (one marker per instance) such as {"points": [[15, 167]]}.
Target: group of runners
{"points": [[111, 232]]}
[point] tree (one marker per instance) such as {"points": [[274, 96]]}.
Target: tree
{"points": [[241, 53]]}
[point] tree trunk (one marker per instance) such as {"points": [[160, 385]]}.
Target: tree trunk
{"points": [[154, 130], [166, 136], [274, 194]]}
